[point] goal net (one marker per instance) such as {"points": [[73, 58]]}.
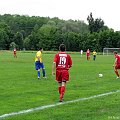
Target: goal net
{"points": [[109, 51]]}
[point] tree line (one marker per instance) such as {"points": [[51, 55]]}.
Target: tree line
{"points": [[30, 33]]}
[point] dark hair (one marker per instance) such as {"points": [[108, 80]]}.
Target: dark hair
{"points": [[62, 47], [40, 48]]}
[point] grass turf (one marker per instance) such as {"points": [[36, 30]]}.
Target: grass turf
{"points": [[20, 89]]}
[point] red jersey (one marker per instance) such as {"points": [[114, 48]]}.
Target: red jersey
{"points": [[14, 50], [88, 53], [63, 61], [118, 59]]}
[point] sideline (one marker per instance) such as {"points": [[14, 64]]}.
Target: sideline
{"points": [[57, 104]]}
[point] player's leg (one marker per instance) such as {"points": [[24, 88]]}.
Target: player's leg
{"points": [[43, 70], [38, 72], [94, 57], [59, 87], [89, 57], [44, 74], [37, 67], [63, 86], [16, 55], [116, 70], [65, 78], [59, 80]]}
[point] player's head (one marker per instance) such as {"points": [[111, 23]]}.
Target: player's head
{"points": [[62, 47], [115, 52], [41, 49]]}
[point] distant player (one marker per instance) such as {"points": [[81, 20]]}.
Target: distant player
{"points": [[88, 54], [61, 64], [81, 52], [94, 55], [15, 52], [116, 64], [39, 63]]}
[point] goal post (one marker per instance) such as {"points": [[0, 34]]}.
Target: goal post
{"points": [[109, 51]]}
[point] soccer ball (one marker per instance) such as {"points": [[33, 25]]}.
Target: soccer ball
{"points": [[100, 75]]}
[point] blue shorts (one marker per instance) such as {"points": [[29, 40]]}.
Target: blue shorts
{"points": [[39, 65]]}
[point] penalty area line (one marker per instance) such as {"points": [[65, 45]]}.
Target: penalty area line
{"points": [[56, 104]]}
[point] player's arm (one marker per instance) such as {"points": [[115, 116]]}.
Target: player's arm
{"points": [[115, 62], [53, 68], [54, 65], [70, 65], [38, 56], [70, 62]]}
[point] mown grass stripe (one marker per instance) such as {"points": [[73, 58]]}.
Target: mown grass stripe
{"points": [[56, 104]]}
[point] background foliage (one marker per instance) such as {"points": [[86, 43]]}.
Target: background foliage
{"points": [[25, 32]]}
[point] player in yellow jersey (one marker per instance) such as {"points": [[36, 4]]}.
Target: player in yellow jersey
{"points": [[94, 55], [39, 63]]}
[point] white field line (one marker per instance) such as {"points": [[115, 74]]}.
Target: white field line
{"points": [[56, 104]]}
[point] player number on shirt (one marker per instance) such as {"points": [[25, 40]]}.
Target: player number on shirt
{"points": [[62, 60]]}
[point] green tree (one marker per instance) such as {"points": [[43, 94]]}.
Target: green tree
{"points": [[18, 39], [13, 45], [5, 35], [95, 25], [26, 43], [71, 41], [46, 36]]}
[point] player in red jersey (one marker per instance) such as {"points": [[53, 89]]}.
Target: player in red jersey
{"points": [[88, 54], [15, 53], [61, 64], [116, 64]]}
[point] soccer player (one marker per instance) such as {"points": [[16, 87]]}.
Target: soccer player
{"points": [[39, 63], [61, 64], [15, 53], [88, 54], [116, 64], [81, 52], [94, 55]]}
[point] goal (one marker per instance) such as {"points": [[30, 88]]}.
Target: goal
{"points": [[109, 51]]}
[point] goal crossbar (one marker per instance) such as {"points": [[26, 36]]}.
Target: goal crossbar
{"points": [[109, 51]]}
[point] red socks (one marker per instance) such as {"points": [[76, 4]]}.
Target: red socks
{"points": [[59, 89], [62, 92]]}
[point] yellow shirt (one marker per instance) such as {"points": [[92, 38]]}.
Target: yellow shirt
{"points": [[94, 53], [38, 55]]}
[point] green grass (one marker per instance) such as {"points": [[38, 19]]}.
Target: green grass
{"points": [[20, 89]]}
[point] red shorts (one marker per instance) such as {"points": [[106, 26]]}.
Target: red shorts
{"points": [[62, 75], [14, 53], [117, 66]]}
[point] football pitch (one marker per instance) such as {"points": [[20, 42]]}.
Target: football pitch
{"points": [[87, 96]]}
